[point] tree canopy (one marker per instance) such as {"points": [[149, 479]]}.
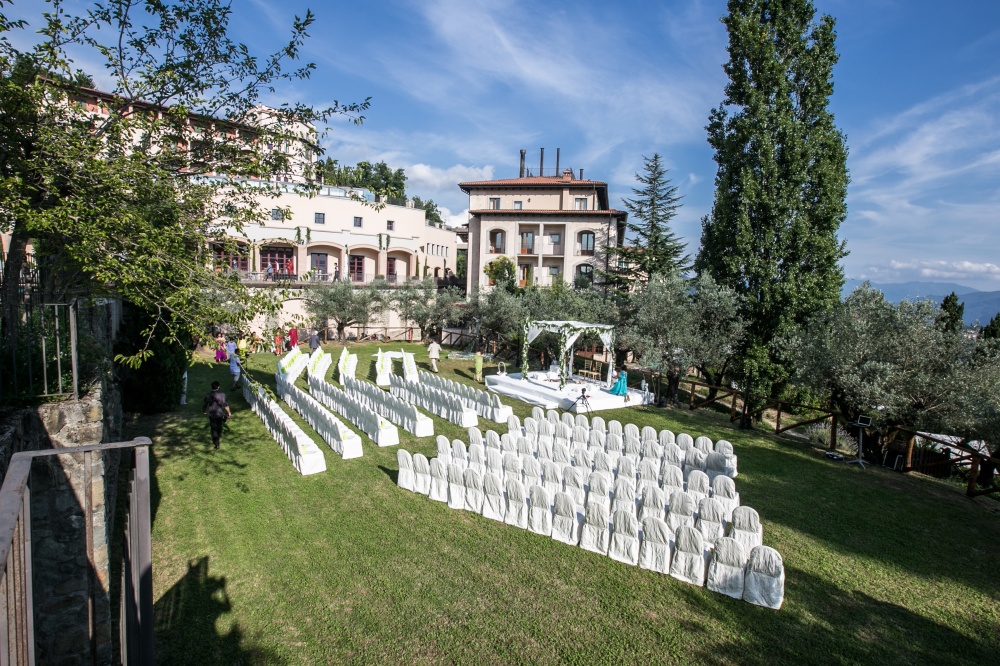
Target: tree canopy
{"points": [[653, 249], [124, 196], [430, 308], [340, 302], [781, 182]]}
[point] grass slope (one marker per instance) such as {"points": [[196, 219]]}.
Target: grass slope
{"points": [[255, 564]]}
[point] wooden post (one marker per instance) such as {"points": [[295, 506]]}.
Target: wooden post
{"points": [[691, 396], [777, 421], [908, 456], [973, 477], [833, 431], [732, 408]]}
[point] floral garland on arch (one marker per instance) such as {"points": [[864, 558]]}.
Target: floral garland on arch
{"points": [[568, 332]]}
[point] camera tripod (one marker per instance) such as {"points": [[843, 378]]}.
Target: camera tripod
{"points": [[582, 400]]}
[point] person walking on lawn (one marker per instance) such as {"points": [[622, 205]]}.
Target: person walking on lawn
{"points": [[313, 341], [434, 352], [217, 409], [234, 369]]}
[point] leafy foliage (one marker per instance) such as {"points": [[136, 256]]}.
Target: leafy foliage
{"points": [[377, 178], [781, 182], [674, 323], [502, 272], [430, 308], [156, 385], [992, 330], [896, 364], [431, 209], [655, 249], [124, 199], [340, 302], [952, 312]]}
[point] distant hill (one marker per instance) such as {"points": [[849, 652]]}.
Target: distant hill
{"points": [[980, 306]]}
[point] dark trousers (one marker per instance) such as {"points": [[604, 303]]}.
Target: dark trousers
{"points": [[216, 425]]}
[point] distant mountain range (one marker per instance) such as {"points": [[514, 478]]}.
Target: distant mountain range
{"points": [[980, 306]]}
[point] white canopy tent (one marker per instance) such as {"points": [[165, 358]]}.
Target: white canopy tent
{"points": [[568, 332]]}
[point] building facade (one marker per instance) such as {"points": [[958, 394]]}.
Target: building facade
{"points": [[551, 227]]}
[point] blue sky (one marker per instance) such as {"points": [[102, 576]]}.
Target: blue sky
{"points": [[458, 87]]}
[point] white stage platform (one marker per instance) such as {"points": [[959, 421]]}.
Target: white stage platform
{"points": [[540, 390]]}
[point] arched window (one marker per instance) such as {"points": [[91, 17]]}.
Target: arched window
{"points": [[586, 239], [585, 274], [496, 238]]}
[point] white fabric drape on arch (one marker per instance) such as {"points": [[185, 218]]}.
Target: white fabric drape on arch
{"points": [[572, 330]]}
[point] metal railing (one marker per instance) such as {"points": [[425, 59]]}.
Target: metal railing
{"points": [[17, 635], [40, 357]]}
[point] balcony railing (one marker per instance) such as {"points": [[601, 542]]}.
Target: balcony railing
{"points": [[555, 249], [496, 250], [17, 593], [527, 250], [584, 252]]}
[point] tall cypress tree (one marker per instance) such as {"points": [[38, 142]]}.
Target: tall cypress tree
{"points": [[654, 249], [781, 182]]}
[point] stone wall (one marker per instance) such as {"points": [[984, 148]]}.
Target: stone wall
{"points": [[64, 571]]}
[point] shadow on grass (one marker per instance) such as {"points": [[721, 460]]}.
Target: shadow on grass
{"points": [[186, 619], [855, 629], [872, 513], [393, 474]]}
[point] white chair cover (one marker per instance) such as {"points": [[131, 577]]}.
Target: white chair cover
{"points": [[494, 505], [685, 441], [532, 472], [594, 534], [724, 491], [421, 474], [703, 444], [673, 455], [477, 458], [517, 508], [654, 503], [680, 512], [456, 487], [693, 460], [746, 528], [765, 579], [711, 520], [725, 570], [405, 479], [573, 484], [666, 437], [552, 478], [581, 459], [673, 478], [511, 467], [599, 490], [624, 545], [624, 499], [565, 526], [537, 413], [625, 467], [597, 423], [631, 430], [604, 463], [560, 453], [473, 490], [439, 481], [494, 461], [715, 465], [540, 512], [649, 434], [459, 456], [443, 449], [689, 556], [649, 474], [654, 551], [698, 486]]}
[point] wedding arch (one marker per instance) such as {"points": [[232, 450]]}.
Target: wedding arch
{"points": [[568, 332]]}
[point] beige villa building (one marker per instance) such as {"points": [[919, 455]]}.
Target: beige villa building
{"points": [[551, 227]]}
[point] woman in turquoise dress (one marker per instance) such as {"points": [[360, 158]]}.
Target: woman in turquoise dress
{"points": [[621, 386]]}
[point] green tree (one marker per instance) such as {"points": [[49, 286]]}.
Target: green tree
{"points": [[343, 304], [431, 209], [430, 308], [781, 181], [502, 272], [896, 364], [461, 263], [112, 200], [654, 249], [673, 324], [992, 330], [952, 313]]}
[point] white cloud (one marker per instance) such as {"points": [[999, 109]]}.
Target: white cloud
{"points": [[425, 177]]}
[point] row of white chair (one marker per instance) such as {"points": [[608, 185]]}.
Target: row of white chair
{"points": [[293, 361], [410, 372], [703, 455], [338, 436], [650, 543], [380, 430], [395, 409], [484, 403], [346, 364], [300, 449], [319, 363], [383, 368], [436, 401]]}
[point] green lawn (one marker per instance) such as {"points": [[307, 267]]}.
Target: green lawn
{"points": [[255, 564]]}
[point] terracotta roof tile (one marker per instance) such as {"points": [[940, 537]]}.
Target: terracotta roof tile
{"points": [[542, 211]]}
